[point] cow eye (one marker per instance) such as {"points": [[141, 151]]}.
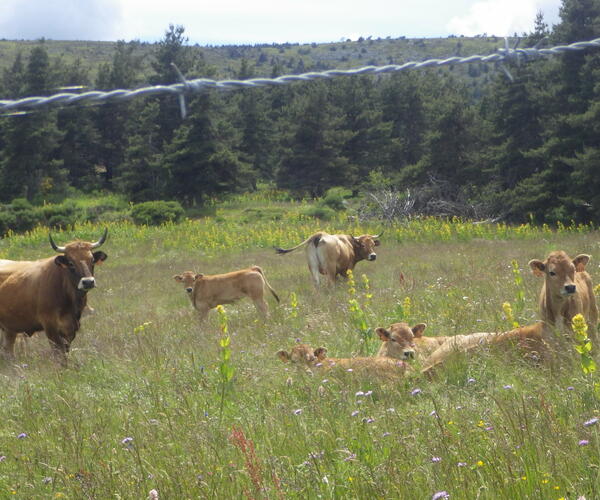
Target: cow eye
{"points": [[552, 273]]}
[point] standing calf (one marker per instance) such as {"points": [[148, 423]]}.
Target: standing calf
{"points": [[208, 291]]}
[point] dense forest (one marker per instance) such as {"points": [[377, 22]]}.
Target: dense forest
{"points": [[527, 149]]}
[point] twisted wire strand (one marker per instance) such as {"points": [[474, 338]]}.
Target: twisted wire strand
{"points": [[97, 97]]}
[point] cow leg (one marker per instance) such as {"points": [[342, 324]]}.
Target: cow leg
{"points": [[202, 313], [313, 265], [8, 344], [261, 307], [58, 345]]}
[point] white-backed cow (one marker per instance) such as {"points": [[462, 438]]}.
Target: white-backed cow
{"points": [[49, 294], [333, 254], [208, 291], [567, 291]]}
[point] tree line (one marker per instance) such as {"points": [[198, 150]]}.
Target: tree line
{"points": [[526, 149]]}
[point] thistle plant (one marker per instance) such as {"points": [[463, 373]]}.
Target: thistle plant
{"points": [[226, 369]]}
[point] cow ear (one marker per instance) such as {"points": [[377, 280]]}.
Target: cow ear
{"points": [[320, 352], [384, 334], [61, 261], [283, 356], [537, 266], [419, 329], [377, 242], [581, 261], [178, 277], [199, 276], [99, 257]]}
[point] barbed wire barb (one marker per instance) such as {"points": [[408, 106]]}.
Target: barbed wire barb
{"points": [[504, 54]]}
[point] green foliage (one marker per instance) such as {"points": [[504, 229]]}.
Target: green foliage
{"points": [[155, 213], [335, 198], [319, 212]]}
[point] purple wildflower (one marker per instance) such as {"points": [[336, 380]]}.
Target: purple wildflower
{"points": [[439, 495], [386, 434], [584, 442], [23, 435], [368, 393], [435, 460], [2, 458], [298, 411], [471, 381], [461, 464], [354, 413], [359, 393], [591, 421], [508, 386], [489, 428], [127, 441], [570, 388], [369, 420], [415, 391], [434, 414], [47, 480]]}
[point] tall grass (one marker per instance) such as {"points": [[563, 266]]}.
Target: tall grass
{"points": [[141, 405]]}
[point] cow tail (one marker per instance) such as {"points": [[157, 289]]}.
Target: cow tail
{"points": [[284, 250], [259, 270]]}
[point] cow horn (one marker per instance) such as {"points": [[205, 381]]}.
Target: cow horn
{"points": [[101, 240], [54, 245], [378, 235]]}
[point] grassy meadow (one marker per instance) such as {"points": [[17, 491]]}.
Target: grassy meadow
{"points": [[145, 402]]}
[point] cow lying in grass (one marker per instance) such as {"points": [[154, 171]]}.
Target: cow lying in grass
{"points": [[389, 362], [432, 351], [567, 291], [208, 291]]}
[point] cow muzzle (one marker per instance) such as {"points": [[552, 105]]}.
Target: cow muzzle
{"points": [[408, 354], [569, 289], [86, 283], [372, 256], [189, 289]]}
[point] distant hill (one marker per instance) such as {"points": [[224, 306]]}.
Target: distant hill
{"points": [[288, 58]]}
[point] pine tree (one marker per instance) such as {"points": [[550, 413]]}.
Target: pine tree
{"points": [[312, 160], [142, 176]]}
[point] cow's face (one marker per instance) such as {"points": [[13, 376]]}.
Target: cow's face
{"points": [[303, 354], [79, 261], [558, 271], [399, 340], [188, 278], [364, 247]]}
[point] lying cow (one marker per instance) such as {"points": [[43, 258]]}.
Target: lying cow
{"points": [[208, 291], [316, 359], [431, 351], [567, 291], [49, 295], [333, 254]]}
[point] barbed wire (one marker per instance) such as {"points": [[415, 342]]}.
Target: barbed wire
{"points": [[96, 97]]}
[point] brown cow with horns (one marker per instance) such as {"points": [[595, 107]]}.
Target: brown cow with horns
{"points": [[333, 254], [49, 294]]}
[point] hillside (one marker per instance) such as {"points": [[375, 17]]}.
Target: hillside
{"points": [[288, 58]]}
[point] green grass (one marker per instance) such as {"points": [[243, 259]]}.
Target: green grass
{"points": [[159, 383]]}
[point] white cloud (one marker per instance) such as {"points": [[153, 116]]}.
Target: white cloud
{"points": [[502, 17]]}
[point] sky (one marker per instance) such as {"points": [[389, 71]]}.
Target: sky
{"points": [[222, 22]]}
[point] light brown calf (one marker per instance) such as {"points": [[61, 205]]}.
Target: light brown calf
{"points": [[528, 337], [567, 291], [305, 355], [208, 291], [390, 361], [402, 342]]}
